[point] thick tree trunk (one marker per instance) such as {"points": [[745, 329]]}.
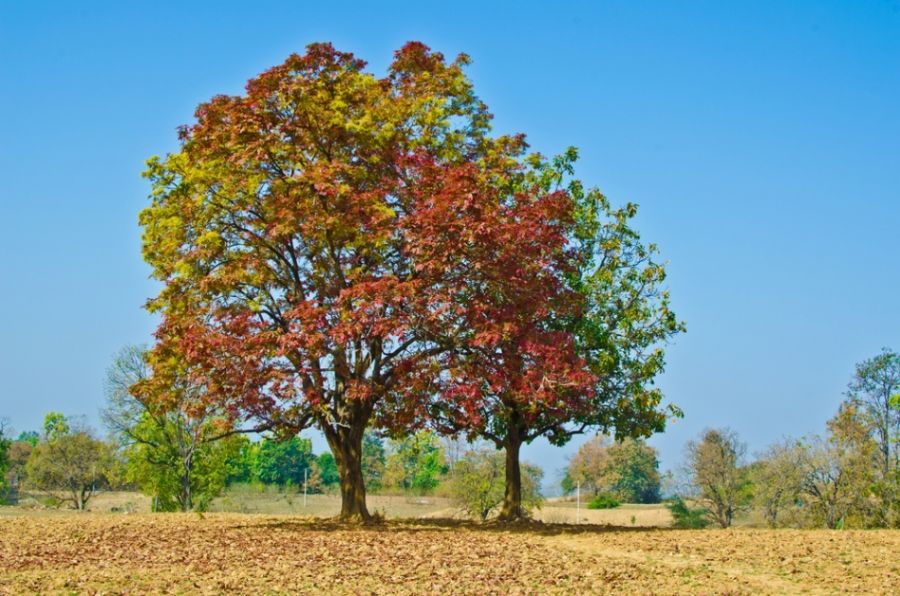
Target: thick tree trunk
{"points": [[512, 501], [346, 445]]}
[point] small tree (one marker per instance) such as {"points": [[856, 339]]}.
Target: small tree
{"points": [[327, 470], [19, 453], [5, 445], [874, 391], [283, 462], [685, 517], [873, 386], [777, 478], [373, 461], [478, 481], [69, 464], [167, 432], [627, 469], [716, 467], [839, 470], [415, 463]]}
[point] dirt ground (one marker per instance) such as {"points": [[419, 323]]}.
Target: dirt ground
{"points": [[251, 553]]}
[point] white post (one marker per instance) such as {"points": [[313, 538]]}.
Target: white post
{"points": [[578, 503], [305, 478]]}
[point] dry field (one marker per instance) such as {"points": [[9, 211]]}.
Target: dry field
{"points": [[187, 553], [271, 502]]}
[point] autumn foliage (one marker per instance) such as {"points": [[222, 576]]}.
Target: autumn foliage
{"points": [[341, 250]]}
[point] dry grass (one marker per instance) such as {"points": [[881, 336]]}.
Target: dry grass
{"points": [[187, 553]]}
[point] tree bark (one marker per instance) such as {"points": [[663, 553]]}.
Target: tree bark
{"points": [[346, 445], [512, 500], [186, 498]]}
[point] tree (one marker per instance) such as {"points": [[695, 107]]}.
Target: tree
{"points": [[777, 478], [280, 233], [168, 432], [19, 453], [5, 445], [29, 436], [178, 483], [628, 469], [873, 389], [565, 314], [685, 517], [874, 383], [716, 467], [55, 425], [286, 462], [635, 471], [68, 463], [327, 470], [478, 482], [839, 470], [415, 463], [373, 461]]}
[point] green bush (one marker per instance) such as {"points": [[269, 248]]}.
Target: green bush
{"points": [[603, 501], [686, 517]]}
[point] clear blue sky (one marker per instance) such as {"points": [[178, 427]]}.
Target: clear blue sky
{"points": [[760, 139]]}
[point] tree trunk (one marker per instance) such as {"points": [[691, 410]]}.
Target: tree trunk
{"points": [[512, 501], [187, 497], [346, 445]]}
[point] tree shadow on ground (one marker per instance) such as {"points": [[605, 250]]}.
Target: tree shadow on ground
{"points": [[530, 527]]}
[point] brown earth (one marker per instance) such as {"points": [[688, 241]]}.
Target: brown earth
{"points": [[187, 553]]}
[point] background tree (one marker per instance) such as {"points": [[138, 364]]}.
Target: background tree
{"points": [[55, 425], [69, 463], [716, 467], [167, 431], [777, 477], [415, 463], [634, 471], [178, 483], [279, 232], [284, 462], [373, 461], [839, 470], [627, 469], [19, 453], [5, 445], [32, 437], [875, 382], [327, 470], [874, 390], [478, 482]]}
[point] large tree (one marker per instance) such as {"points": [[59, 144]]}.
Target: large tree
{"points": [[566, 312], [279, 230]]}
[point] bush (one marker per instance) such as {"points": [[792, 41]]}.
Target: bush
{"points": [[686, 517], [603, 501], [478, 482]]}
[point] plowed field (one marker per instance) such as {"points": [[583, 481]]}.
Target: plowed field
{"points": [[273, 554]]}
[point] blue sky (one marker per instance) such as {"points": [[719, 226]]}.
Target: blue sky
{"points": [[760, 139]]}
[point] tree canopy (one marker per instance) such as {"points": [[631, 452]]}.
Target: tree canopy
{"points": [[343, 250]]}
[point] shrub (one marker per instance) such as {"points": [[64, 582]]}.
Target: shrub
{"points": [[685, 517], [603, 501]]}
